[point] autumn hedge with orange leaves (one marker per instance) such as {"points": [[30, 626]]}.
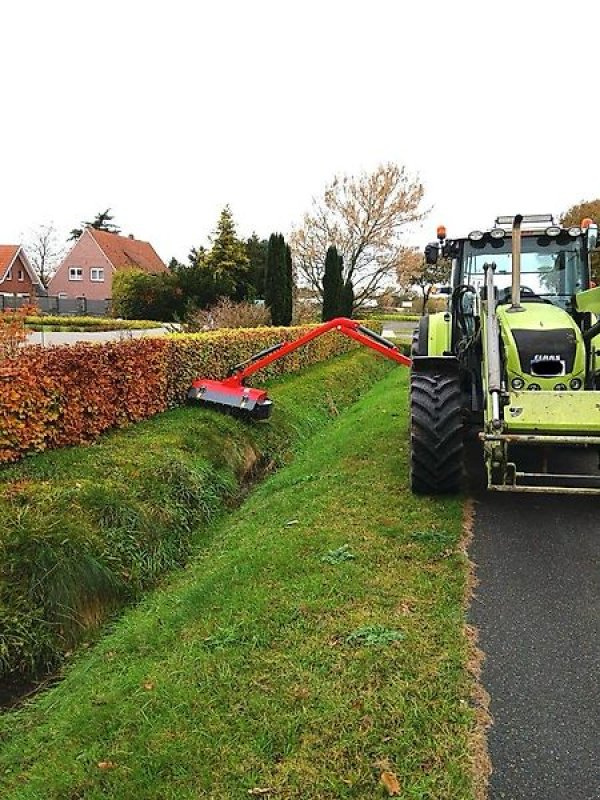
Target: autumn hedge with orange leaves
{"points": [[67, 395]]}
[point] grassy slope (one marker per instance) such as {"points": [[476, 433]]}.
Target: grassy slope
{"points": [[242, 674], [86, 529]]}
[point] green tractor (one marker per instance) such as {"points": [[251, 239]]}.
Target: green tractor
{"points": [[516, 354]]}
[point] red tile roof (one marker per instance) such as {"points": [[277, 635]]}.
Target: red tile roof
{"points": [[7, 254], [125, 252]]}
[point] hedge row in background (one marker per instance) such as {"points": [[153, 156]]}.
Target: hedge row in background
{"points": [[88, 323], [52, 397]]}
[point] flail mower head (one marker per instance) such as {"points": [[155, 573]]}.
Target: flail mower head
{"points": [[232, 398]]}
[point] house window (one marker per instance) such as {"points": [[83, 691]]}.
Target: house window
{"points": [[75, 274], [21, 275], [9, 275], [96, 274]]}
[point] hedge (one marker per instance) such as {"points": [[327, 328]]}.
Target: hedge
{"points": [[88, 323], [67, 395]]}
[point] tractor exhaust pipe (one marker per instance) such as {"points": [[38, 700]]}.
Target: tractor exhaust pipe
{"points": [[516, 264]]}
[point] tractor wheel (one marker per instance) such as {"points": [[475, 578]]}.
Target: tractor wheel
{"points": [[436, 433]]}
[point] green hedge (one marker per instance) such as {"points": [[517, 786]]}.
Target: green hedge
{"points": [[88, 323]]}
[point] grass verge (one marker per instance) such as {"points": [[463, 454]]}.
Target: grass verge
{"points": [[86, 530], [316, 649]]}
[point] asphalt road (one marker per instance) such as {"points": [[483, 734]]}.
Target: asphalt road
{"points": [[537, 608]]}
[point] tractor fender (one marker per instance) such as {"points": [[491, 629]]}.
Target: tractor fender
{"points": [[434, 336]]}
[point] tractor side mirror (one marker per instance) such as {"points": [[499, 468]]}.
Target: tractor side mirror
{"points": [[432, 253]]}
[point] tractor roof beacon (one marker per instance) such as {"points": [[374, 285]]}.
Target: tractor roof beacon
{"points": [[517, 353]]}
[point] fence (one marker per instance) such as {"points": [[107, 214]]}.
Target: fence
{"points": [[53, 304]]}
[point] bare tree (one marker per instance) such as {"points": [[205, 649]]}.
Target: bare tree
{"points": [[363, 216], [44, 251], [416, 271]]}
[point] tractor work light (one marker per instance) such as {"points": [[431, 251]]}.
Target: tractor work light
{"points": [[575, 231], [553, 230], [586, 222], [497, 233], [517, 383], [560, 387], [476, 236], [575, 384], [534, 387]]}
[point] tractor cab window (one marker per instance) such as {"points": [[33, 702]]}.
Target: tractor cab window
{"points": [[552, 269]]}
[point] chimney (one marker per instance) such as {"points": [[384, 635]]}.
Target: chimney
{"points": [[131, 236]]}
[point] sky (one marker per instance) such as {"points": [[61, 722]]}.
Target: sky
{"points": [[167, 111]]}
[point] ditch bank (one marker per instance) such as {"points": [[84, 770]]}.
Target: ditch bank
{"points": [[89, 529], [315, 648]]}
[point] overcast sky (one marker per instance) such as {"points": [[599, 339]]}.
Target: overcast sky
{"points": [[166, 111]]}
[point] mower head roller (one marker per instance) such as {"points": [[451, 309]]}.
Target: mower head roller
{"points": [[232, 396]]}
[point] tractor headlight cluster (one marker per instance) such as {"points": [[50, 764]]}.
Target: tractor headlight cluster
{"points": [[517, 383], [497, 233], [575, 231], [553, 230], [560, 387], [534, 387], [575, 384], [476, 236]]}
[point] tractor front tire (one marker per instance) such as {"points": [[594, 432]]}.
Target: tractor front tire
{"points": [[436, 433]]}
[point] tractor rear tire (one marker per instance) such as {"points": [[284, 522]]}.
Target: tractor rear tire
{"points": [[436, 434]]}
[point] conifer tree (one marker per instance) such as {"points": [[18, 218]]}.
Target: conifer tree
{"points": [[333, 285], [347, 305], [227, 260], [275, 279], [289, 287], [279, 280]]}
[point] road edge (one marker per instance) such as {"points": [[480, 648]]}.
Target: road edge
{"points": [[481, 764]]}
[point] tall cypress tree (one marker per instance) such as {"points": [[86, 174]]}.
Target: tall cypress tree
{"points": [[347, 305], [333, 285], [279, 280], [275, 278], [289, 287]]}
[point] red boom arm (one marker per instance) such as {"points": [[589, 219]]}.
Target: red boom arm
{"points": [[348, 327]]}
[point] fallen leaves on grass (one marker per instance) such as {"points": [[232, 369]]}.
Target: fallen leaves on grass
{"points": [[106, 765], [259, 791], [390, 781]]}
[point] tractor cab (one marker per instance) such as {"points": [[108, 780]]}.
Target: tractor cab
{"points": [[554, 261], [518, 350]]}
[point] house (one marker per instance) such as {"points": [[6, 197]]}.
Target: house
{"points": [[88, 268], [17, 276]]}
